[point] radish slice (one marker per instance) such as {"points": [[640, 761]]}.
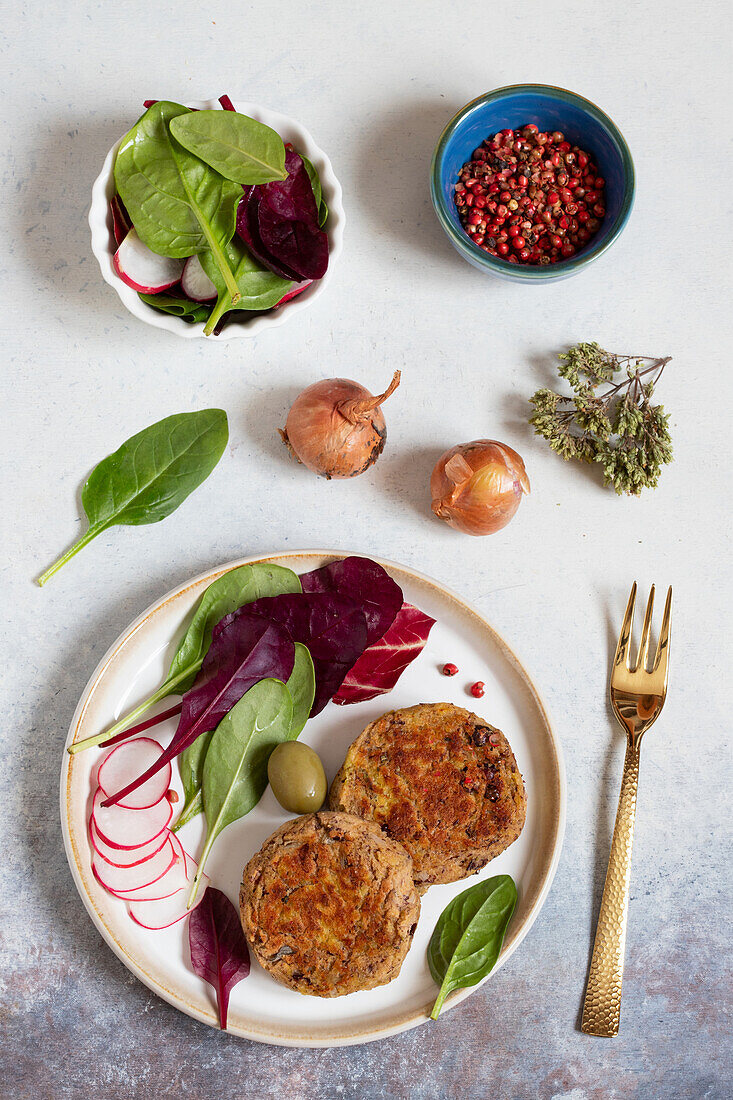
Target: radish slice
{"points": [[195, 283], [123, 828], [126, 762], [121, 880], [143, 269], [296, 290], [125, 857], [167, 911], [170, 882], [120, 223]]}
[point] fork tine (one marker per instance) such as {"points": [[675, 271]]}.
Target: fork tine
{"points": [[663, 645], [645, 634], [622, 649]]}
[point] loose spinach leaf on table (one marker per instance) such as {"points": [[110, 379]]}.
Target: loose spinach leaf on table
{"points": [[467, 939], [234, 145], [150, 475], [179, 205], [235, 768], [258, 288], [302, 687], [233, 590], [192, 312]]}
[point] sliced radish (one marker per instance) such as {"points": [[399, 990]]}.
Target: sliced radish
{"points": [[123, 828], [143, 269], [167, 911], [125, 857], [170, 882], [195, 283], [121, 224], [126, 762], [121, 880], [296, 290]]}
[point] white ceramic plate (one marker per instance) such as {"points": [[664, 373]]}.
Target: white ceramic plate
{"points": [[103, 246], [260, 1008]]}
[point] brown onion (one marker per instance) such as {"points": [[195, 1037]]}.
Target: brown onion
{"points": [[336, 427], [476, 487]]}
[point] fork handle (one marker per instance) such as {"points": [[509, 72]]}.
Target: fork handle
{"points": [[602, 1005]]}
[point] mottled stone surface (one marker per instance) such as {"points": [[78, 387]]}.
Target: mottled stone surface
{"points": [[375, 84]]}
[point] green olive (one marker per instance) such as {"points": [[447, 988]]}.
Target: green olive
{"points": [[297, 777]]}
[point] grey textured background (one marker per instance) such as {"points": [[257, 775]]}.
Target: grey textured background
{"points": [[375, 85]]}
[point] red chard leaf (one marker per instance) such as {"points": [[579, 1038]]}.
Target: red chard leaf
{"points": [[278, 221], [245, 651], [366, 583], [219, 952], [381, 665], [331, 626]]}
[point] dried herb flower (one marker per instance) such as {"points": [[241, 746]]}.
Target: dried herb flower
{"points": [[620, 427]]}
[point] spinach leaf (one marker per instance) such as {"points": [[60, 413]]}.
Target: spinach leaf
{"points": [[302, 687], [234, 145], [226, 594], [317, 191], [314, 178], [192, 312], [235, 768], [257, 287], [150, 475], [467, 939], [179, 206]]}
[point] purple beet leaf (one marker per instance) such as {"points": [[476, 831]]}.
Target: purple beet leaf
{"points": [[278, 221], [331, 626], [366, 583], [247, 229], [219, 952], [241, 654], [381, 665], [226, 103]]}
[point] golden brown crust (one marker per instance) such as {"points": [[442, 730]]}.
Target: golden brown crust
{"points": [[442, 782], [328, 905]]}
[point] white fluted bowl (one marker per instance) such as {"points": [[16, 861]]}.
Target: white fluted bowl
{"points": [[103, 243]]}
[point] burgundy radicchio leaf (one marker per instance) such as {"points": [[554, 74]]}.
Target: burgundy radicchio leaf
{"points": [[278, 222], [219, 952], [381, 665], [366, 583], [241, 654], [332, 627]]}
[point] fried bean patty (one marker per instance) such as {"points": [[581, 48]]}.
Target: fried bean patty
{"points": [[442, 782], [329, 906]]}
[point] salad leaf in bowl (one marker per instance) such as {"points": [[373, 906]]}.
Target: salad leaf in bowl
{"points": [[210, 220]]}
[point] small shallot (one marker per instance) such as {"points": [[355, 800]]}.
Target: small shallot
{"points": [[336, 427], [476, 487]]}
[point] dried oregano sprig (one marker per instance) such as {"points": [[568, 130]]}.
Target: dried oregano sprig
{"points": [[620, 428]]}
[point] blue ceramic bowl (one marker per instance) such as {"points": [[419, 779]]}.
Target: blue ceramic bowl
{"points": [[581, 122]]}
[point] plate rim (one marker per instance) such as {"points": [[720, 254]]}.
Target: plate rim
{"points": [[368, 1032]]}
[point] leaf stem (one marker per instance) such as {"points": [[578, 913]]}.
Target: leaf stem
{"points": [[216, 314], [212, 835], [87, 537], [443, 993], [109, 737], [192, 807]]}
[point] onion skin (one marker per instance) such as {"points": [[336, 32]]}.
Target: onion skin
{"points": [[336, 427], [476, 487]]}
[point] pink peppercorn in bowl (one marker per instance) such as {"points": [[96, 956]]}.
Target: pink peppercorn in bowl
{"points": [[557, 143]]}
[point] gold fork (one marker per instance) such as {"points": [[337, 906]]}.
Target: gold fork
{"points": [[637, 698]]}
